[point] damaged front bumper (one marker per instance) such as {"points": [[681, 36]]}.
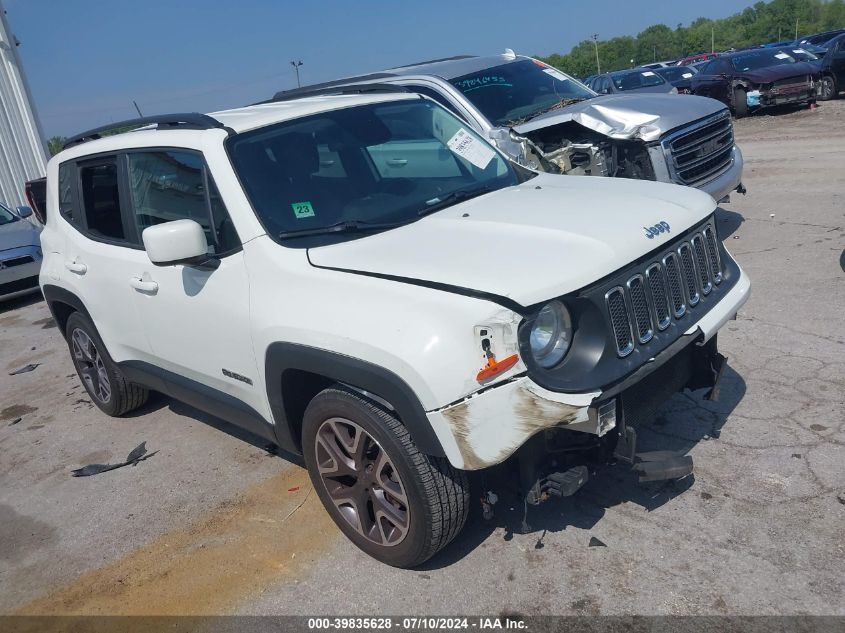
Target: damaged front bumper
{"points": [[490, 426]]}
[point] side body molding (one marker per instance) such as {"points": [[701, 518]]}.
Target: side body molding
{"points": [[284, 357]]}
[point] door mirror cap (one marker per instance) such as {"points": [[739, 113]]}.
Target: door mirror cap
{"points": [[24, 212], [177, 242]]}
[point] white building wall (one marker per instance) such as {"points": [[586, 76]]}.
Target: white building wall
{"points": [[22, 149]]}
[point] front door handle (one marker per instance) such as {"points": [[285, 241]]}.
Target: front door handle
{"points": [[397, 162], [144, 285], [76, 267]]}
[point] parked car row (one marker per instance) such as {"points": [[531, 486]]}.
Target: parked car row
{"points": [[20, 252]]}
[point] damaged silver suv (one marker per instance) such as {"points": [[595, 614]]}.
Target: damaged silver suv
{"points": [[547, 121]]}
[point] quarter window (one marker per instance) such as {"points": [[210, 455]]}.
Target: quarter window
{"points": [[67, 182], [174, 185], [101, 200]]}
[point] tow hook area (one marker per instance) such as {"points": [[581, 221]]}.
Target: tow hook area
{"points": [[561, 484], [651, 465]]}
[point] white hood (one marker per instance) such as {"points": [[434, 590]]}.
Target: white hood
{"points": [[547, 237]]}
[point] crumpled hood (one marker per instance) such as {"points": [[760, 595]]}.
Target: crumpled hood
{"points": [[775, 73], [17, 234], [643, 116], [547, 237]]}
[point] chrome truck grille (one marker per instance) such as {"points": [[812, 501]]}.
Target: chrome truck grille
{"points": [[668, 286], [701, 151]]}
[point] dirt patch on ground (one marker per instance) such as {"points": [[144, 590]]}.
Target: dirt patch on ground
{"points": [[276, 530]]}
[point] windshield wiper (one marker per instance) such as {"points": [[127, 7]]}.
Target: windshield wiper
{"points": [[555, 106], [436, 204], [346, 226]]}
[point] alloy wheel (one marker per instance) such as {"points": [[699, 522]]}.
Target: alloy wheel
{"points": [[827, 88], [91, 366], [362, 482]]}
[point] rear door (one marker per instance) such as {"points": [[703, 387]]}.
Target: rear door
{"points": [[197, 320], [837, 62], [101, 253]]}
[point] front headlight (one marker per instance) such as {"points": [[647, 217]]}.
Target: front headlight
{"points": [[551, 334]]}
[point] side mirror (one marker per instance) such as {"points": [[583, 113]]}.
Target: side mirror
{"points": [[24, 212], [178, 242]]}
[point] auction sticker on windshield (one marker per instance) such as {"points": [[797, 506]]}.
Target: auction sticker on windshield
{"points": [[470, 148], [302, 210], [555, 73]]}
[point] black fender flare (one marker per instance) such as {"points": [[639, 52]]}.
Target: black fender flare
{"points": [[55, 294], [282, 357]]}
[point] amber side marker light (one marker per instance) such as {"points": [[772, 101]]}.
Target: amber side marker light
{"points": [[494, 368]]}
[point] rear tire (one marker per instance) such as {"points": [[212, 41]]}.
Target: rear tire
{"points": [[395, 503], [105, 383], [827, 88], [740, 103]]}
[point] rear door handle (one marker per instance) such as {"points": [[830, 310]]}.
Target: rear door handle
{"points": [[143, 285], [76, 267], [398, 162]]}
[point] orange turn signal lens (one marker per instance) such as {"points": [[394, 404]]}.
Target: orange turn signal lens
{"points": [[495, 368]]}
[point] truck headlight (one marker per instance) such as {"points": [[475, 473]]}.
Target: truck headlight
{"points": [[551, 334]]}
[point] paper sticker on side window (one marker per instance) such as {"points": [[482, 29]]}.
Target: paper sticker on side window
{"points": [[302, 210], [471, 149]]}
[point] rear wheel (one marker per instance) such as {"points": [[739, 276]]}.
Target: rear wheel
{"points": [[827, 88], [395, 503], [740, 102], [101, 377]]}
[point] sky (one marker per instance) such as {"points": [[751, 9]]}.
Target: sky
{"points": [[87, 60]]}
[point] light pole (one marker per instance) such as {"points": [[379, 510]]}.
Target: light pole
{"points": [[296, 66], [596, 42]]}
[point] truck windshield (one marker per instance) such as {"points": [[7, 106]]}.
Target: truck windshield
{"points": [[518, 91], [6, 216], [363, 169]]}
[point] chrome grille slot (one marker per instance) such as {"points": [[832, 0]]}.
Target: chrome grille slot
{"points": [[713, 254], [688, 270], [701, 151], [659, 296], [701, 264], [676, 288], [668, 287], [618, 310], [640, 308]]}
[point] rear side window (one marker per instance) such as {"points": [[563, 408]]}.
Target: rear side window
{"points": [[101, 200], [175, 185]]}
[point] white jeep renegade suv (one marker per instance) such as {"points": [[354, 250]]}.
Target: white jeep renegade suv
{"points": [[363, 279]]}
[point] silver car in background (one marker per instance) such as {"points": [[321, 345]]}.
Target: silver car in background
{"points": [[20, 252]]}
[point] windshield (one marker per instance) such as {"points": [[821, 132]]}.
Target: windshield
{"points": [[6, 216], [755, 60], [520, 90], [676, 73], [382, 164], [636, 79]]}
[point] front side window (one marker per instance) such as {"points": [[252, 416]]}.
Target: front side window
{"points": [[518, 91], [390, 163], [101, 200], [172, 185]]}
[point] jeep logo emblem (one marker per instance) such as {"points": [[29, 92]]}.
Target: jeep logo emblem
{"points": [[660, 227]]}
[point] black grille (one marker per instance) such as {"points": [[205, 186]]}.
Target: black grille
{"points": [[19, 284], [668, 287], [17, 261], [639, 304], [701, 264], [659, 297], [688, 267], [619, 321], [701, 152]]}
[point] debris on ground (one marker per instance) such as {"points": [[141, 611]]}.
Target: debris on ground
{"points": [[841, 498], [138, 454], [15, 421], [594, 542], [24, 369]]}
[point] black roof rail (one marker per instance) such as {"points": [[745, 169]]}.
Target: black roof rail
{"points": [[335, 88], [184, 120], [435, 61]]}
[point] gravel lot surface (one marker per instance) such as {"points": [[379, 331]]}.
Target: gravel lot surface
{"points": [[214, 523]]}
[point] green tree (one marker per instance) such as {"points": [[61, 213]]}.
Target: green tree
{"points": [[55, 144]]}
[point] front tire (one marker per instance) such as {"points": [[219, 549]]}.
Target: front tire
{"points": [[105, 383], [395, 503], [827, 88], [740, 103]]}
